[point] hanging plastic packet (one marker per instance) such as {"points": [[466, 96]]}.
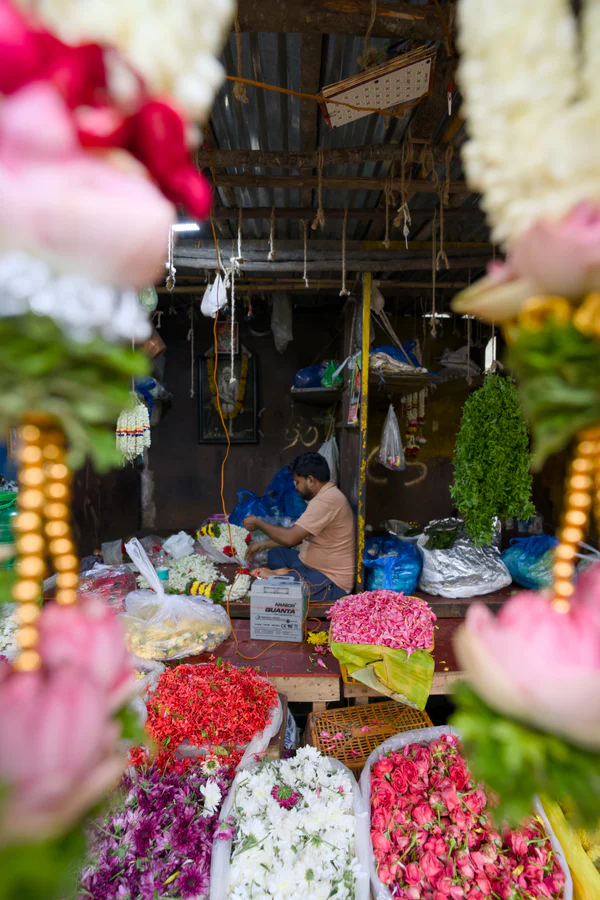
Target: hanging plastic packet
{"points": [[391, 453], [329, 451]]}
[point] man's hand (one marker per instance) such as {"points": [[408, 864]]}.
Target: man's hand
{"points": [[254, 549], [251, 523]]}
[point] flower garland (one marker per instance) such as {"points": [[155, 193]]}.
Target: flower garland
{"points": [[157, 838], [231, 540], [8, 629], [133, 431], [294, 831], [384, 618], [188, 569], [432, 837], [210, 363], [212, 707]]}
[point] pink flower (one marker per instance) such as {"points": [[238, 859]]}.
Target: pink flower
{"points": [[338, 737], [423, 813], [57, 750], [90, 637], [450, 798], [431, 865], [49, 185], [321, 663], [382, 767], [324, 734], [399, 781], [384, 874], [536, 664], [475, 801], [380, 842], [409, 771], [365, 728], [412, 874]]}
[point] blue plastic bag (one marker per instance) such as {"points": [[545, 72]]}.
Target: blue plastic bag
{"points": [[249, 504], [396, 567], [310, 377], [529, 560], [281, 497]]}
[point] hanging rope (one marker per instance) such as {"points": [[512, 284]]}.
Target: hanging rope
{"points": [[433, 274], [369, 55], [469, 376], [271, 256], [447, 161], [344, 291], [232, 378], [406, 161], [305, 233], [319, 220], [190, 338], [441, 257], [427, 161], [170, 282], [239, 89], [387, 190]]}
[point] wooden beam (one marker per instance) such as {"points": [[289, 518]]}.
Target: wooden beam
{"points": [[228, 192], [276, 159], [310, 74], [353, 264], [318, 249], [360, 215], [296, 285], [393, 20], [339, 182]]}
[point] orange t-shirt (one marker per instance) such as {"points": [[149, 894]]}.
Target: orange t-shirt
{"points": [[330, 547]]}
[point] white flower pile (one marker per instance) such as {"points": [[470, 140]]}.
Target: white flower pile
{"points": [[305, 851], [82, 308], [240, 587], [532, 109], [173, 45], [188, 568], [8, 629], [238, 540]]}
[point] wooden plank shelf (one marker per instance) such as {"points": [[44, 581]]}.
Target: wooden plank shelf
{"points": [[321, 396]]}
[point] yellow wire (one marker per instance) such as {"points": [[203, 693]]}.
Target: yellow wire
{"points": [[319, 98]]}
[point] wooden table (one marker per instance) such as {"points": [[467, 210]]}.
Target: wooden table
{"points": [[294, 670]]}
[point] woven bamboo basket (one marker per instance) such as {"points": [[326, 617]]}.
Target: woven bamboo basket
{"points": [[379, 721]]}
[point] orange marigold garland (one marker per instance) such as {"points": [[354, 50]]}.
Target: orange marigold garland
{"points": [[210, 363]]}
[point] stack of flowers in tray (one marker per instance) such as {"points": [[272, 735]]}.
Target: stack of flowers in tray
{"points": [[295, 833], [156, 840], [433, 840], [384, 639], [213, 708]]}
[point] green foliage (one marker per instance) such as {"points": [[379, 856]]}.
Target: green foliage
{"points": [[516, 761], [83, 386], [491, 460], [49, 870], [559, 369]]}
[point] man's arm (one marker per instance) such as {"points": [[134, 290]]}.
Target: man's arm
{"points": [[284, 537], [257, 547]]}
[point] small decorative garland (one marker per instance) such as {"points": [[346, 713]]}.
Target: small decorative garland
{"points": [[214, 591], [213, 529], [133, 431], [210, 363]]}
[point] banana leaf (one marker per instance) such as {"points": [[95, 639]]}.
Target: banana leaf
{"points": [[406, 679], [586, 878]]}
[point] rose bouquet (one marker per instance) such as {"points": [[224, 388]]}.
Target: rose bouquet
{"points": [[292, 828], [384, 638], [157, 837], [433, 839], [211, 708]]}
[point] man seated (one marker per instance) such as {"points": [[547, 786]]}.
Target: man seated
{"points": [[326, 561]]}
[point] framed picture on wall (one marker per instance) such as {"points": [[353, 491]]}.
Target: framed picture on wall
{"points": [[238, 399], [224, 337]]}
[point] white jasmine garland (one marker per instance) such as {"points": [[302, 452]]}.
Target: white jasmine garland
{"points": [[240, 587], [532, 109], [239, 536], [294, 832], [188, 568], [172, 45], [8, 629]]}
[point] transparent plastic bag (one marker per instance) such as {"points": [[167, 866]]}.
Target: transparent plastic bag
{"points": [[112, 583], [221, 854], [391, 452], [153, 545], [330, 452], [179, 545], [281, 321], [214, 299], [427, 736], [168, 626]]}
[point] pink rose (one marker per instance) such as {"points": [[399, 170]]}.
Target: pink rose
{"points": [[382, 767], [399, 781], [384, 874], [422, 760], [431, 865], [90, 637], [451, 799], [49, 185], [380, 842], [379, 821], [412, 874], [464, 866], [457, 892], [460, 776], [536, 664], [423, 813], [409, 770], [57, 750], [483, 884], [475, 801], [383, 795]]}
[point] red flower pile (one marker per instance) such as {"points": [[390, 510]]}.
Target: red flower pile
{"points": [[216, 707], [432, 839], [112, 583]]}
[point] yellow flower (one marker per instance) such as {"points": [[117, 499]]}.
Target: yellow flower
{"points": [[317, 637]]}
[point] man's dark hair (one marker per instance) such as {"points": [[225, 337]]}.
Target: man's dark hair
{"points": [[311, 464]]}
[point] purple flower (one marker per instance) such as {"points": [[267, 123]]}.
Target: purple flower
{"points": [[193, 882], [285, 796]]}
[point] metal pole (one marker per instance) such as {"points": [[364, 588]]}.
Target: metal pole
{"points": [[364, 411]]}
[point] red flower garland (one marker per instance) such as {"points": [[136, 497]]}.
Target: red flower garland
{"points": [[209, 706]]}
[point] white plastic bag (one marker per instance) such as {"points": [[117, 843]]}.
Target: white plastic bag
{"points": [[112, 553], [221, 854], [217, 556], [391, 452], [330, 452], [214, 299], [281, 321], [167, 626], [427, 736], [179, 545]]}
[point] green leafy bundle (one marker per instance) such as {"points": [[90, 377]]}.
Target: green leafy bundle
{"points": [[83, 386], [516, 761], [559, 370], [492, 460]]}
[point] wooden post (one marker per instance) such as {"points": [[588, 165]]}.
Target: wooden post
{"points": [[364, 411]]}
